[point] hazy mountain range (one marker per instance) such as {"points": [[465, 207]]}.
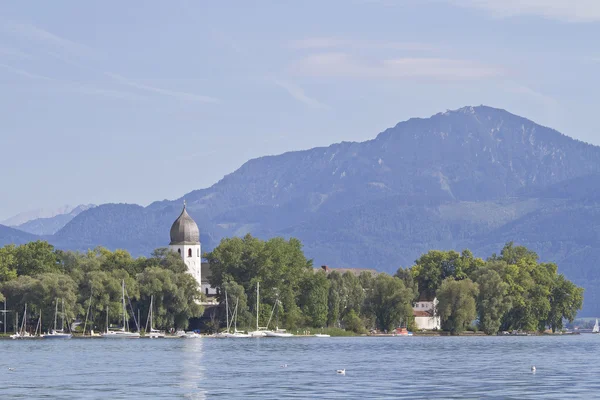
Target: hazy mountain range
{"points": [[472, 178], [45, 221]]}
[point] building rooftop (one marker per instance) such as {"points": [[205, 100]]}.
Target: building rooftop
{"points": [[354, 271]]}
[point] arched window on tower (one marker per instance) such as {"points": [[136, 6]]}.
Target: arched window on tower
{"points": [[189, 252], [207, 291], [179, 251]]}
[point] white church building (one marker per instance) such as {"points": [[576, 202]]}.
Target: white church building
{"points": [[185, 240]]}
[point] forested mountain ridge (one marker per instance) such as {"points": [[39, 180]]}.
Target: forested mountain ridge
{"points": [[470, 178]]}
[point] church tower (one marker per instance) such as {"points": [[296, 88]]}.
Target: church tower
{"points": [[185, 240]]}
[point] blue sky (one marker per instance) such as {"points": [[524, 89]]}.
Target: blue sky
{"points": [[137, 101]]}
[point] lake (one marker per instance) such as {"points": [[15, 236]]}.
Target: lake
{"points": [[376, 367]]}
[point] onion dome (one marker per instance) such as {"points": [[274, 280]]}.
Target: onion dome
{"points": [[184, 230]]}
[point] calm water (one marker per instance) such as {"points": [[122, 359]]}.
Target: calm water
{"points": [[400, 367]]}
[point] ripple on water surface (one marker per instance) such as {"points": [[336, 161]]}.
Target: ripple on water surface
{"points": [[391, 367]]}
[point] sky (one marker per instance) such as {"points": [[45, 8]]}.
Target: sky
{"points": [[137, 101]]}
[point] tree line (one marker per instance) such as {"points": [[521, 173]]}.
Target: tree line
{"points": [[510, 291], [89, 284]]}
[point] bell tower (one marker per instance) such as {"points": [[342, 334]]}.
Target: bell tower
{"points": [[185, 240]]}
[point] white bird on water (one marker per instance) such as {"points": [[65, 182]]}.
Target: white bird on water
{"points": [[341, 371], [11, 369], [533, 368]]}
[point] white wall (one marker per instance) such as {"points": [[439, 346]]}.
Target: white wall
{"points": [[427, 323], [194, 262]]}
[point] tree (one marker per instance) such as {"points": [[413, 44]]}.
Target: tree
{"points": [[493, 300], [313, 298], [390, 302], [237, 298], [8, 263], [433, 267], [36, 258], [176, 297], [456, 304], [565, 299]]}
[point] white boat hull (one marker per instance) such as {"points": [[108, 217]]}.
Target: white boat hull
{"points": [[57, 336], [121, 335], [321, 335], [279, 334], [237, 335], [258, 334]]}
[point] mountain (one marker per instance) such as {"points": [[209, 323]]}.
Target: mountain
{"points": [[473, 178], [51, 225], [10, 235]]}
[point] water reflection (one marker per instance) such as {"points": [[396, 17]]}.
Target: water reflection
{"points": [[193, 367]]}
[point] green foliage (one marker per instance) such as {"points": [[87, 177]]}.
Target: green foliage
{"points": [[493, 300], [390, 302], [432, 268], [35, 258], [456, 305], [506, 292], [354, 323], [314, 292], [565, 300], [8, 263], [39, 275]]}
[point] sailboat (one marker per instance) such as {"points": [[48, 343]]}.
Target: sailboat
{"points": [[260, 331], [58, 334], [280, 333], [22, 333], [596, 327], [153, 333], [123, 333], [236, 334]]}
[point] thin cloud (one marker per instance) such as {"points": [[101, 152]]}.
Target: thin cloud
{"points": [[166, 92], [298, 93], [26, 74], [562, 10], [328, 42], [63, 86], [42, 36], [346, 66]]}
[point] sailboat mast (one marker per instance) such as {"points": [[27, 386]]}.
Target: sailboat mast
{"points": [[107, 318], [62, 323], [123, 296], [151, 301], [227, 311], [235, 318], [24, 322], [55, 312], [257, 302]]}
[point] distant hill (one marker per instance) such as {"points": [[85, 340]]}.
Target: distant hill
{"points": [[10, 235], [470, 178], [51, 225]]}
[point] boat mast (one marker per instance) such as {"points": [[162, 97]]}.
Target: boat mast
{"points": [[124, 310], [235, 313], [107, 318], [88, 311], [151, 301], [227, 311], [257, 294], [24, 322], [62, 323], [55, 312]]}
